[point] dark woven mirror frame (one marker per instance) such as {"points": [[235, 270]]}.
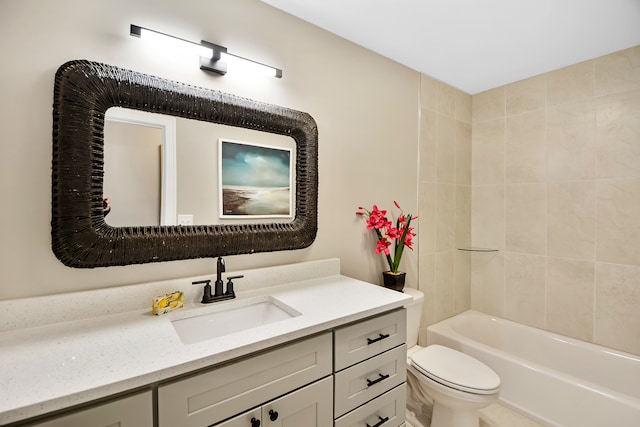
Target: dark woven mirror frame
{"points": [[81, 238]]}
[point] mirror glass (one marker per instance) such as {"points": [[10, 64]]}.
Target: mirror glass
{"points": [[164, 170], [224, 212]]}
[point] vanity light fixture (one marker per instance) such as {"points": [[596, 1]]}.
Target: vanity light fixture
{"points": [[213, 57]]}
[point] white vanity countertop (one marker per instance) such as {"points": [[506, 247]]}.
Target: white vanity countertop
{"points": [[53, 366]]}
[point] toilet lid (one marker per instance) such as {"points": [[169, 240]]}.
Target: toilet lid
{"points": [[455, 369]]}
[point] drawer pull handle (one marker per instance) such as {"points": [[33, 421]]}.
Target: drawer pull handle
{"points": [[273, 415], [377, 380], [254, 422], [380, 338], [382, 421]]}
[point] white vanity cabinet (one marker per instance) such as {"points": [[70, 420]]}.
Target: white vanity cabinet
{"points": [[370, 372], [279, 387], [351, 376], [132, 411]]}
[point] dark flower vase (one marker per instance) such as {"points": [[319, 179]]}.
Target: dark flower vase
{"points": [[394, 281]]}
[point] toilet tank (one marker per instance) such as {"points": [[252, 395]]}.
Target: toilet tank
{"points": [[414, 313]]}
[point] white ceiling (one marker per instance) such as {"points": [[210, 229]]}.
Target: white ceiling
{"points": [[476, 45]]}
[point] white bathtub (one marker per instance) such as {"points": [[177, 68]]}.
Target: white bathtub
{"points": [[556, 380]]}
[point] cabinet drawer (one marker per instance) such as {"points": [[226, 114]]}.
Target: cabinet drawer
{"points": [[388, 410], [365, 339], [366, 380], [216, 395], [133, 411]]}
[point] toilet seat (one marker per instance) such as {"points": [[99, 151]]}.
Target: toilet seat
{"points": [[455, 369]]}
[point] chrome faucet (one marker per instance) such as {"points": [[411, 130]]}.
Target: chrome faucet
{"points": [[219, 293]]}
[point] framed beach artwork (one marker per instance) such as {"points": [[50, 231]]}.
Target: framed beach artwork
{"points": [[255, 180]]}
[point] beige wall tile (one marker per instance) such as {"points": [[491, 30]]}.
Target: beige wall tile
{"points": [[463, 153], [487, 282], [445, 217], [526, 156], [463, 106], [487, 217], [617, 221], [428, 145], [444, 285], [571, 141], [525, 277], [526, 95], [488, 105], [487, 151], [617, 300], [583, 209], [428, 93], [570, 83], [446, 151], [618, 72], [525, 224], [463, 216], [445, 206], [446, 100], [462, 281], [427, 217], [427, 285], [618, 135], [570, 295], [571, 220]]}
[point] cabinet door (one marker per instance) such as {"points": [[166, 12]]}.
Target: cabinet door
{"points": [[251, 418], [311, 406], [134, 411]]}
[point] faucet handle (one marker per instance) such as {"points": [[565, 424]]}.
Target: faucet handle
{"points": [[230, 290], [206, 296]]}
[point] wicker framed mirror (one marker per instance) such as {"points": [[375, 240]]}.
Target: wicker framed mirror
{"points": [[81, 238]]}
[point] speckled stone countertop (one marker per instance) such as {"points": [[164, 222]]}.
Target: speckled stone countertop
{"points": [[56, 353]]}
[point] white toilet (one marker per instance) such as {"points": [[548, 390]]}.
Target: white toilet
{"points": [[458, 384]]}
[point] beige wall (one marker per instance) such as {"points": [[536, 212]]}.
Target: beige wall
{"points": [[556, 188], [366, 108], [445, 200]]}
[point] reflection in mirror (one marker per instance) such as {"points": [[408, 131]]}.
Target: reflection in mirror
{"points": [[139, 148], [80, 236], [255, 180], [163, 170]]}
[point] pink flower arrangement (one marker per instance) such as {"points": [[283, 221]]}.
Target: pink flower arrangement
{"points": [[398, 236]]}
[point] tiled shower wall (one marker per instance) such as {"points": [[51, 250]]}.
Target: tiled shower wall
{"points": [[444, 201], [555, 188]]}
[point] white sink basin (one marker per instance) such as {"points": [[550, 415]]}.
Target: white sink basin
{"points": [[232, 317]]}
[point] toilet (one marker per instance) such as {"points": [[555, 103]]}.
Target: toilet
{"points": [[458, 384]]}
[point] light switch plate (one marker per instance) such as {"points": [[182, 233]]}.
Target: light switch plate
{"points": [[185, 219]]}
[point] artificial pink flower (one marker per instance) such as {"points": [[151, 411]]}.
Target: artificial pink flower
{"points": [[393, 233], [383, 246], [388, 235]]}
